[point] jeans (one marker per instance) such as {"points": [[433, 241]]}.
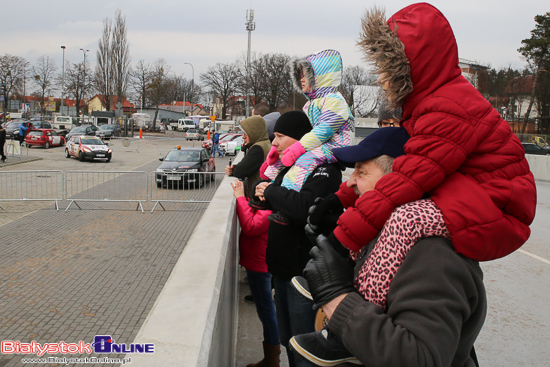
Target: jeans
{"points": [[260, 286], [216, 149], [295, 316]]}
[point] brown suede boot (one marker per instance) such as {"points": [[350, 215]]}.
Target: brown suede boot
{"points": [[271, 356]]}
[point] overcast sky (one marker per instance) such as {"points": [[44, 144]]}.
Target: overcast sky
{"points": [[205, 32]]}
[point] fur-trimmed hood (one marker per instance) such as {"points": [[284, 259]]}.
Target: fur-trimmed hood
{"points": [[323, 70], [417, 49]]}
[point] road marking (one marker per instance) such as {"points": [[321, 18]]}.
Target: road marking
{"points": [[535, 256]]}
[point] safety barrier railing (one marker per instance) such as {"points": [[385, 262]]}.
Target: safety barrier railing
{"points": [[109, 186], [129, 186], [32, 186], [183, 187]]}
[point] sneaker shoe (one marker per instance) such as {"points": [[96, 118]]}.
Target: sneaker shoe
{"points": [[278, 218], [299, 284], [249, 299], [321, 348], [257, 204]]}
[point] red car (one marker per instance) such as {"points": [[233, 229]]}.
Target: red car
{"points": [[44, 137]]}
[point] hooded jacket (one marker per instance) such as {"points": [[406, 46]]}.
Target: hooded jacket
{"points": [[326, 108], [461, 152], [256, 151]]}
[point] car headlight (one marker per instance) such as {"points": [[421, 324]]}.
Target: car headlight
{"points": [[192, 170], [109, 150], [160, 170], [86, 149]]}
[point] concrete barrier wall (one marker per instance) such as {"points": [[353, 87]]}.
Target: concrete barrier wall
{"points": [[540, 166], [194, 320]]}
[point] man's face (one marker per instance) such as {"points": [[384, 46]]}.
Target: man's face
{"points": [[281, 142], [365, 177]]}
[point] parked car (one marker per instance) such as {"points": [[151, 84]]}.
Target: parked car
{"points": [[180, 166], [108, 131], [193, 134], [81, 130], [12, 130], [232, 145], [532, 148], [39, 124], [44, 137], [87, 147]]}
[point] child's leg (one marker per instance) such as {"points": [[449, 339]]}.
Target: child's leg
{"points": [[407, 224], [307, 163]]}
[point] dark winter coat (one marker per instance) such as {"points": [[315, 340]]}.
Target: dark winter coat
{"points": [[288, 246], [435, 311]]}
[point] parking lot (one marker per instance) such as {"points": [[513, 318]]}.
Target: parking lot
{"points": [[68, 276]]}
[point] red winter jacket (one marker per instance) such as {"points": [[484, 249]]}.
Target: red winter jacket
{"points": [[460, 152], [253, 237]]}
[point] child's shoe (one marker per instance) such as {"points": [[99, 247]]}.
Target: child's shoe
{"points": [[321, 348], [299, 284], [279, 219], [257, 204]]}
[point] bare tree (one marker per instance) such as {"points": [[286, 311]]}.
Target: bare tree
{"points": [[359, 99], [44, 76], [159, 80], [222, 80], [120, 57], [113, 61], [76, 84], [140, 80], [12, 74]]}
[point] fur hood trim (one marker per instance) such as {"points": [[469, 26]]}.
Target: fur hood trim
{"points": [[386, 53]]}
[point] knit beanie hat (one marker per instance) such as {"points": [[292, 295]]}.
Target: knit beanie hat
{"points": [[386, 113], [294, 124]]}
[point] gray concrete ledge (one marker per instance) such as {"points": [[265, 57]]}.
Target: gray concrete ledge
{"points": [[194, 320]]}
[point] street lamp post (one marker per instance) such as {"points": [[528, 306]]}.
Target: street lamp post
{"points": [[84, 77], [62, 81], [192, 84], [250, 26]]}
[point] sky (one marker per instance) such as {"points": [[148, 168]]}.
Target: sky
{"points": [[205, 32]]}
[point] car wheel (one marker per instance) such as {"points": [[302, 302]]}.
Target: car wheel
{"points": [[67, 155], [47, 145], [81, 156]]}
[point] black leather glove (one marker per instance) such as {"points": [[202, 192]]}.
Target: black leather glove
{"points": [[324, 214], [328, 274]]}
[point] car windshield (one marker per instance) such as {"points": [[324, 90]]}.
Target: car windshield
{"points": [[107, 127], [14, 124], [36, 132], [91, 141], [192, 131], [80, 129], [182, 156]]}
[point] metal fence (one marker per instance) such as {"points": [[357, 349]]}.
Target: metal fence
{"points": [[128, 186], [195, 187], [109, 186], [32, 185]]}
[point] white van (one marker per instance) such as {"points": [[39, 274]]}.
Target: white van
{"points": [[63, 122], [185, 124]]}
